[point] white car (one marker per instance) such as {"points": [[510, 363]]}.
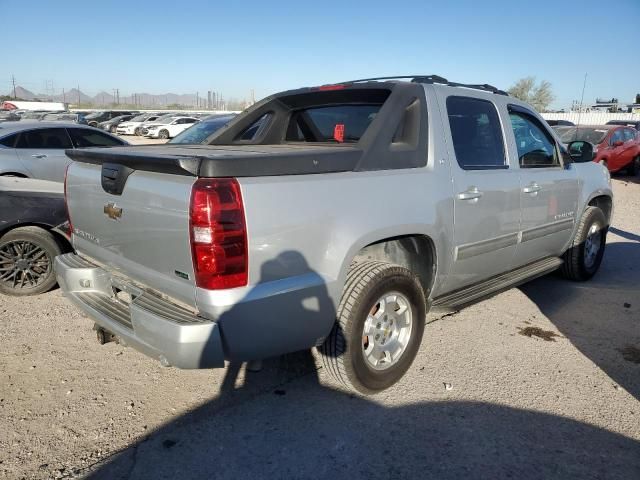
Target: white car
{"points": [[168, 128], [132, 127]]}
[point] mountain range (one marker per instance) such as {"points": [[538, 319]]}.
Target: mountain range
{"points": [[105, 98]]}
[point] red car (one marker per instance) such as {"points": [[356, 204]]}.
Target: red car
{"points": [[616, 147]]}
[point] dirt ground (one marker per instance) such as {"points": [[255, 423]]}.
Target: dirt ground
{"points": [[542, 381]]}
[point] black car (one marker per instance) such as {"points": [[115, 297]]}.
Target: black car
{"points": [[626, 123], [111, 125], [26, 250], [95, 118], [560, 123], [202, 130]]}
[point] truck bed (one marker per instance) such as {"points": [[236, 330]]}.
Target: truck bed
{"points": [[227, 161]]}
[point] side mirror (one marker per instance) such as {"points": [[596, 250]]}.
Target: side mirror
{"points": [[581, 152]]}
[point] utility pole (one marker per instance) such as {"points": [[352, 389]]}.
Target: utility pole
{"points": [[13, 79], [64, 97], [584, 84]]}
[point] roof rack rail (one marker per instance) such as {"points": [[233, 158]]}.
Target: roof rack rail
{"points": [[430, 79]]}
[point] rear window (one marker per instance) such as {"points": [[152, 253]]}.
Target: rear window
{"points": [[336, 123]]}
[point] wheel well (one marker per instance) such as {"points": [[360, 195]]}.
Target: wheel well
{"points": [[13, 174], [414, 252], [604, 203], [63, 242]]}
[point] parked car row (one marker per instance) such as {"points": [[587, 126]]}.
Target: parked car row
{"points": [[145, 123]]}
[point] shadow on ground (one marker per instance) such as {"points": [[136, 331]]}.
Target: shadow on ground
{"points": [[282, 423], [600, 317], [300, 429]]}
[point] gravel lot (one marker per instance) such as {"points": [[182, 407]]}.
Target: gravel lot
{"points": [[482, 399]]}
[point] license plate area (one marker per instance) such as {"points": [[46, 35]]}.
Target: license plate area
{"points": [[124, 293]]}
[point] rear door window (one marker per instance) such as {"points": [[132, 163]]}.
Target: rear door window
{"points": [[332, 124], [84, 137], [476, 133], [44, 138]]}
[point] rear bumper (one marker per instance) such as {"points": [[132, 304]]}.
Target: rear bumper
{"points": [[151, 324]]}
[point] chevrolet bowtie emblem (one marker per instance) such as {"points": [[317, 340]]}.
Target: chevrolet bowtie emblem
{"points": [[111, 211]]}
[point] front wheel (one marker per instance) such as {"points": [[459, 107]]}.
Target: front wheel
{"points": [[379, 327], [113, 129], [137, 132], [583, 258], [634, 167], [26, 261], [164, 134]]}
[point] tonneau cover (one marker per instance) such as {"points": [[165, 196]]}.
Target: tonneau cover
{"points": [[227, 160]]}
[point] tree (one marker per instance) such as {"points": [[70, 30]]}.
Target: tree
{"points": [[539, 96], [637, 97]]}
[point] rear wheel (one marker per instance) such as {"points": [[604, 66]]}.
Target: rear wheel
{"points": [[583, 258], [164, 134], [26, 261], [113, 128], [380, 322], [137, 132]]}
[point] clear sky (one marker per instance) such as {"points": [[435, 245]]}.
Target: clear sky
{"points": [[233, 46]]}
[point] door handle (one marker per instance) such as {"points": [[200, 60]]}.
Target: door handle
{"points": [[39, 155], [472, 193], [533, 188]]}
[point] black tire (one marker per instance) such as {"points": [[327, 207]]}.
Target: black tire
{"points": [[342, 352], [13, 279], [163, 134], [634, 167], [113, 128], [136, 132], [576, 265]]}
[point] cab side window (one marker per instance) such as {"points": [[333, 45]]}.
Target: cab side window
{"points": [[536, 146], [476, 133]]}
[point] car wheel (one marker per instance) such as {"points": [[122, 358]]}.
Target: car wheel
{"points": [[634, 167], [136, 132], [26, 261], [380, 321], [164, 134], [113, 128], [583, 258]]}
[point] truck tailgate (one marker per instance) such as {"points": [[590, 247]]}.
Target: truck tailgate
{"points": [[142, 233]]}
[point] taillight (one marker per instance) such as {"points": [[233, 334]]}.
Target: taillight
{"points": [[218, 234], [66, 201]]}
